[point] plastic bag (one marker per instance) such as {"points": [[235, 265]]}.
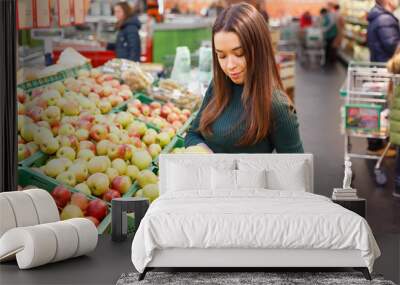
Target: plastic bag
{"points": [[181, 68]]}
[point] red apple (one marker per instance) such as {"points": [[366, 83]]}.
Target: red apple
{"points": [[97, 208], [110, 194], [61, 195], [172, 117], [145, 110], [155, 105], [80, 200], [165, 111], [121, 184], [94, 220]]}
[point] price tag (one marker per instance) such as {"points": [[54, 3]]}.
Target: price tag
{"points": [[43, 19], [64, 13], [79, 12], [25, 14]]}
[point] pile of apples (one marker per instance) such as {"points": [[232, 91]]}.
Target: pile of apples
{"points": [[91, 93], [195, 149], [163, 116], [101, 155], [77, 205]]}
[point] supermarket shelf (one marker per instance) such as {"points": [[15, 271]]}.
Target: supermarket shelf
{"points": [[358, 39], [97, 19], [355, 21]]}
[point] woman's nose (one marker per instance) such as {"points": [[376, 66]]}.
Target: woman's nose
{"points": [[231, 64]]}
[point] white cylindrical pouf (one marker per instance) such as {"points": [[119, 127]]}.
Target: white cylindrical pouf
{"points": [[45, 205], [23, 208], [67, 239], [87, 235], [7, 217], [37, 245]]}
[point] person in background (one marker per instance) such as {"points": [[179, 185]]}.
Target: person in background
{"points": [[127, 44], [394, 67], [340, 23], [330, 32], [383, 36], [306, 20], [245, 109]]}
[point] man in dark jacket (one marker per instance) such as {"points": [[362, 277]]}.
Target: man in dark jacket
{"points": [[383, 36], [383, 30]]}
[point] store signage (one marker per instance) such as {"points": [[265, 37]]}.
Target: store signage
{"points": [[42, 9], [64, 13], [25, 14], [42, 34], [79, 12]]}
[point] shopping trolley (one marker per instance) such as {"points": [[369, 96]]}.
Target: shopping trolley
{"points": [[312, 51], [366, 109]]}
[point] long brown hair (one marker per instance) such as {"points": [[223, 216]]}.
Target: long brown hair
{"points": [[262, 76], [128, 12]]}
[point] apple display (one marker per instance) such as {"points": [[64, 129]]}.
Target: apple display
{"points": [[66, 152], [85, 154], [80, 200], [67, 178], [83, 188], [121, 184], [132, 171], [151, 192], [66, 129], [145, 177], [111, 173], [97, 208], [120, 165], [111, 194], [50, 146], [98, 183], [98, 164], [102, 147], [71, 211], [61, 196], [142, 159], [80, 170]]}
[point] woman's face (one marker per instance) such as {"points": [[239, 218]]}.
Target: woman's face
{"points": [[230, 56], [119, 13]]}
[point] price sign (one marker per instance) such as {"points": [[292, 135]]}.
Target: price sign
{"points": [[64, 13], [25, 14], [43, 19], [79, 12]]}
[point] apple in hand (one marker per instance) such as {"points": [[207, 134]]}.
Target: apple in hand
{"points": [[97, 208], [110, 194], [61, 196], [121, 184]]}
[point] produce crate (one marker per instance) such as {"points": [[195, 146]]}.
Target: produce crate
{"points": [[28, 176]]}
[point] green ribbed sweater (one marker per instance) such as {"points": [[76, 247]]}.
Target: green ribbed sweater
{"points": [[284, 136]]}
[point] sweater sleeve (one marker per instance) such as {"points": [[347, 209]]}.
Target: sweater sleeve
{"points": [[285, 127], [193, 136]]}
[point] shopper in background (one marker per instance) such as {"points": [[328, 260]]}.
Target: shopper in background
{"points": [[330, 32], [245, 109], [340, 23], [306, 20], [394, 67], [127, 45], [383, 36]]}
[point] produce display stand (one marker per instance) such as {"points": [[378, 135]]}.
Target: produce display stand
{"points": [[287, 71], [366, 95]]}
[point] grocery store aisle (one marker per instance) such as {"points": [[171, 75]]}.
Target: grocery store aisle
{"points": [[318, 104]]}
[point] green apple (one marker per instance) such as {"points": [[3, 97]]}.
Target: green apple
{"points": [[83, 188], [124, 119], [51, 96], [67, 178], [82, 134], [154, 150], [50, 146], [51, 114], [196, 149], [98, 183], [102, 147], [163, 139], [111, 173], [142, 159], [151, 192], [137, 127], [23, 152], [71, 211], [98, 164], [149, 139], [85, 154], [66, 152], [120, 165], [80, 170], [23, 120], [139, 193], [41, 135], [66, 129], [70, 107], [145, 177], [54, 167], [27, 131], [132, 171]]}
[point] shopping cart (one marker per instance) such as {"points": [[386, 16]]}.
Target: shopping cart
{"points": [[312, 51], [366, 109]]}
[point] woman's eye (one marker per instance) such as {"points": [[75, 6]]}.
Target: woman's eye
{"points": [[221, 56]]}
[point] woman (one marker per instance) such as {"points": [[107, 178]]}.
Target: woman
{"points": [[244, 109], [127, 44]]}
